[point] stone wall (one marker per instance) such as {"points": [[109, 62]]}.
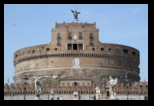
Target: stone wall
{"points": [[99, 60], [16, 92]]}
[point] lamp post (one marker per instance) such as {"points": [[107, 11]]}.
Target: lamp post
{"points": [[12, 93], [139, 92], [25, 79], [126, 82], [48, 95], [146, 95]]}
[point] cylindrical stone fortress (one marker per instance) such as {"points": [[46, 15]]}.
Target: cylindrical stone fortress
{"points": [[75, 49]]}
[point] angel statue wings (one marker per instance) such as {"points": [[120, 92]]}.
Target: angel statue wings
{"points": [[111, 84], [38, 84], [75, 13]]}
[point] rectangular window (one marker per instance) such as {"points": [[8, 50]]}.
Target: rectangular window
{"points": [[69, 46], [80, 46], [90, 35], [69, 36], [58, 36], [58, 43], [80, 35], [75, 47], [91, 43]]}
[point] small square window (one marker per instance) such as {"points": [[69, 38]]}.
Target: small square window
{"points": [[47, 49], [69, 36], [125, 50], [91, 35], [91, 43], [80, 35], [58, 36], [58, 43], [102, 49]]}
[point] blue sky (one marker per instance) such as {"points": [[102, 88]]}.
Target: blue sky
{"points": [[30, 24]]}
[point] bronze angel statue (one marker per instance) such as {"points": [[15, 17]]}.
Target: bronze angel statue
{"points": [[75, 13]]}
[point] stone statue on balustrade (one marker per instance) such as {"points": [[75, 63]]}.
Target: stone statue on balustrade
{"points": [[111, 85], [38, 86], [98, 93], [51, 95]]}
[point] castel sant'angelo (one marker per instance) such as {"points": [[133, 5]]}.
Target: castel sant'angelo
{"points": [[79, 60]]}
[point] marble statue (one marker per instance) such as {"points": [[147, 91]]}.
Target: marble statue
{"points": [[92, 97], [75, 96], [111, 84], [38, 86], [98, 92], [51, 95]]}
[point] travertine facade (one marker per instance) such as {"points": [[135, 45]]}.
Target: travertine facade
{"points": [[75, 49]]}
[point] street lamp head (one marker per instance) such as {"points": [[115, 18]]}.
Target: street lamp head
{"points": [[126, 78]]}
